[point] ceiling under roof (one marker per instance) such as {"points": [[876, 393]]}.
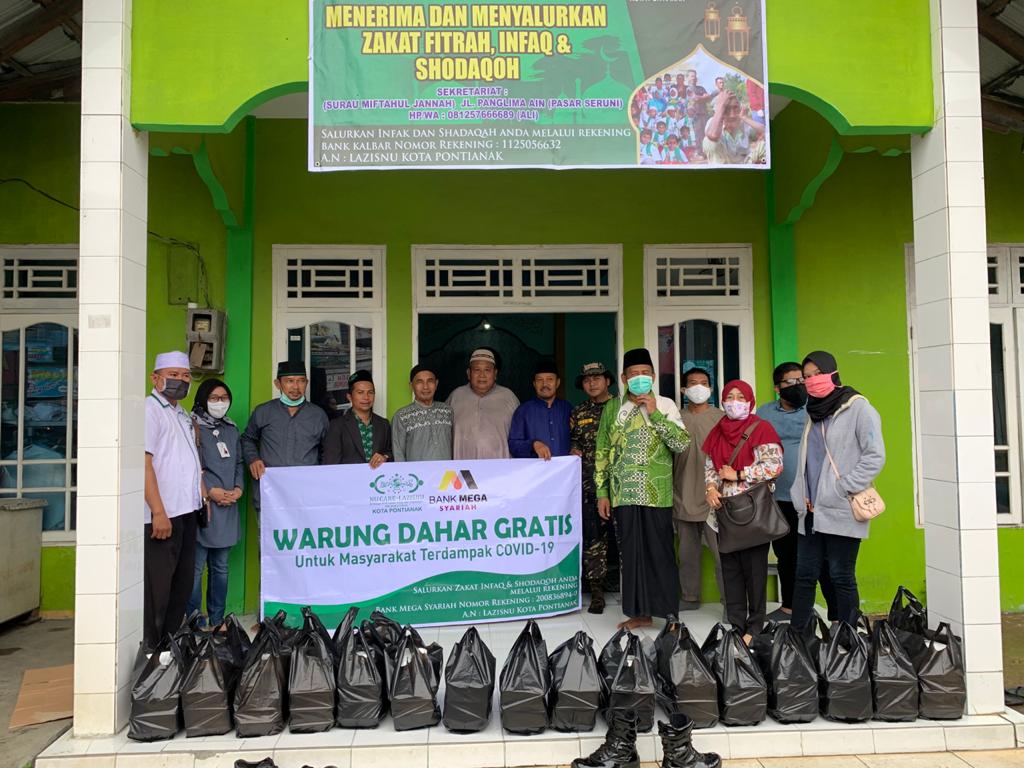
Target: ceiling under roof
{"points": [[40, 50]]}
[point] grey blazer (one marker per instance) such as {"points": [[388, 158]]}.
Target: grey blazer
{"points": [[344, 445]]}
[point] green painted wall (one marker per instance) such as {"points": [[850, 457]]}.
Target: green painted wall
{"points": [[1004, 176], [868, 64], [57, 579]]}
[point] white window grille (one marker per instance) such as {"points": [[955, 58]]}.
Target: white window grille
{"points": [[329, 276], [38, 277], [698, 274], [558, 276]]}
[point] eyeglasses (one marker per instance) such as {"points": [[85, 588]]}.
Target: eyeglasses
{"points": [[791, 382]]}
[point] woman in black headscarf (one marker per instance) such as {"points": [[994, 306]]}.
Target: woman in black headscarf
{"points": [[220, 452], [841, 454]]}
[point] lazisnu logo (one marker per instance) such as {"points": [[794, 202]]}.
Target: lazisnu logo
{"points": [[456, 481], [396, 484]]}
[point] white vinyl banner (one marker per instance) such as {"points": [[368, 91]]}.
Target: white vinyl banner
{"points": [[426, 542]]}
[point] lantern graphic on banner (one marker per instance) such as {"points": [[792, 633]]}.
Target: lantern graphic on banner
{"points": [[737, 32], [712, 22]]}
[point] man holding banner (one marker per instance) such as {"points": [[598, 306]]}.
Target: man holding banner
{"points": [[633, 475]]}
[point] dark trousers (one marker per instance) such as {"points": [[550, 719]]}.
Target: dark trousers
{"points": [[745, 575], [169, 576], [596, 533], [785, 555], [839, 555]]}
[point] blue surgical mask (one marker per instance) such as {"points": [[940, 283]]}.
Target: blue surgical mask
{"points": [[640, 384], [292, 403]]}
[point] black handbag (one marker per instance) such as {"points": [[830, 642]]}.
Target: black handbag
{"points": [[750, 518]]}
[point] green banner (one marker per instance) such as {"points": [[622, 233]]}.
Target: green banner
{"points": [[615, 84]]}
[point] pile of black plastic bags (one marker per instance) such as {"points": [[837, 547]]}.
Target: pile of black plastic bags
{"points": [[311, 680]]}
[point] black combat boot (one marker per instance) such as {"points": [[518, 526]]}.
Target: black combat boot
{"points": [[678, 748], [619, 748], [596, 596], [266, 762]]}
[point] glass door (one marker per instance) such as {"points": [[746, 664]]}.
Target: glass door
{"points": [[38, 416], [333, 346], [718, 341], [1005, 359]]}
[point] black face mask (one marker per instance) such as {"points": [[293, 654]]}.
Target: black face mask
{"points": [[795, 395], [175, 389]]}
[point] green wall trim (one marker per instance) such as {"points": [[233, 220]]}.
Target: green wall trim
{"points": [[232, 120], [201, 160], [832, 160], [837, 118]]}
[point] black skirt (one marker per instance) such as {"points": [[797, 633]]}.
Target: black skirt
{"points": [[650, 582]]}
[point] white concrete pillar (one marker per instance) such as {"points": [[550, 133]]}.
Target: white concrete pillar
{"points": [[954, 387], [111, 378]]}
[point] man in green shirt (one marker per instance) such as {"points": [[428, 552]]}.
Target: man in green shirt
{"points": [[633, 474]]}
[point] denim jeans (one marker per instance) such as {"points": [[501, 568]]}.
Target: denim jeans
{"points": [[839, 555], [216, 583]]}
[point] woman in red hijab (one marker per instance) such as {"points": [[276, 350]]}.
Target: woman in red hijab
{"points": [[757, 458]]}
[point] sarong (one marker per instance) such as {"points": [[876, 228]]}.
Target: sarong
{"points": [[650, 586]]}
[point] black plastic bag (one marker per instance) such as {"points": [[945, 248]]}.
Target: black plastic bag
{"points": [[816, 636], [287, 636], [790, 672], [360, 683], [343, 632], [207, 691], [685, 683], [260, 698], [846, 677], [232, 644], [156, 690], [311, 682], [523, 686], [909, 621], [413, 679], [577, 690], [742, 689], [894, 682], [468, 684], [386, 629], [633, 682], [611, 654], [940, 670]]}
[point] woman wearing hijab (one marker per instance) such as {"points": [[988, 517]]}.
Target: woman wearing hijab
{"points": [[841, 454], [757, 458], [220, 453]]}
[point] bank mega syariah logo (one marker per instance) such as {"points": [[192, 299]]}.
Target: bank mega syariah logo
{"points": [[456, 481], [396, 484]]}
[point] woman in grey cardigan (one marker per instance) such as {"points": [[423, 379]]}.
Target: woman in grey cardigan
{"points": [[843, 425]]}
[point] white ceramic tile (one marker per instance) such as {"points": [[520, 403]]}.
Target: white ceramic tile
{"points": [[159, 760], [136, 192], [539, 751], [928, 151], [466, 755], [385, 734], [129, 562], [984, 693], [931, 235], [939, 503], [973, 414], [134, 239], [101, 185], [133, 276], [928, 760], [934, 326], [888, 740], [937, 412], [99, 424], [975, 459], [833, 761], [105, 44], [126, 654], [968, 274], [961, 94], [931, 281], [103, 91], [938, 457], [105, 10], [980, 737], [95, 668], [101, 330], [97, 521], [215, 759], [929, 191], [967, 228], [963, 139], [705, 741], [981, 600], [101, 610], [101, 137], [753, 742], [79, 761], [970, 361], [96, 570], [942, 548], [966, 181], [100, 231], [957, 13], [979, 553], [936, 368], [291, 758], [94, 714], [108, 745], [838, 742], [983, 647], [970, 327], [960, 49], [944, 592], [134, 148], [978, 504], [66, 745], [333, 738], [412, 756]]}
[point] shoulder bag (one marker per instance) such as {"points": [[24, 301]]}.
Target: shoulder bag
{"points": [[750, 518], [866, 504]]}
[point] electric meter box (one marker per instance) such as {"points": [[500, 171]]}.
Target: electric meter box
{"points": [[205, 331]]}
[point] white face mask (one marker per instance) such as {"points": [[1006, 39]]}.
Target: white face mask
{"points": [[698, 394], [218, 410]]}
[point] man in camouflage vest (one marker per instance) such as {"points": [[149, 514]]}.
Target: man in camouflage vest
{"points": [[594, 379]]}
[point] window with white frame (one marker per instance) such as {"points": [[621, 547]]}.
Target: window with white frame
{"points": [[699, 313], [329, 313], [1005, 278], [39, 381]]}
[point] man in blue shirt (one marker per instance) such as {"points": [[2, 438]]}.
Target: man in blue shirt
{"points": [[540, 427], [788, 416]]}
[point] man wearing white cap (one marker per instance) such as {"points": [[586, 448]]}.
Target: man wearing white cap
{"points": [[483, 410], [173, 499]]}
